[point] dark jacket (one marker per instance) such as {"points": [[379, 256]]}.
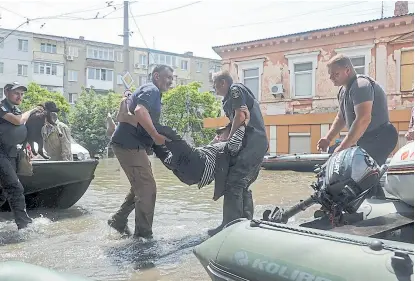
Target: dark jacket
{"points": [[187, 162]]}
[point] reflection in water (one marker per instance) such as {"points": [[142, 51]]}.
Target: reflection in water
{"points": [[78, 240]]}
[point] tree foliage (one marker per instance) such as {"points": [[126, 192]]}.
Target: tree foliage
{"points": [[36, 95], [184, 109], [87, 119]]}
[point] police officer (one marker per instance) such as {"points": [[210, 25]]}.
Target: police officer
{"points": [[12, 132], [244, 168]]}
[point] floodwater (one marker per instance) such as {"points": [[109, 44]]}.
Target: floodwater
{"points": [[79, 241]]}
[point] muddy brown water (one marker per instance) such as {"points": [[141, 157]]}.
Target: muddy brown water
{"points": [[78, 240]]}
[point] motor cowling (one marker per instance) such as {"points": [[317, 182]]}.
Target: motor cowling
{"points": [[346, 176]]}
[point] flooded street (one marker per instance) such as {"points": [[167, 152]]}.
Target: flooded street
{"points": [[78, 240]]}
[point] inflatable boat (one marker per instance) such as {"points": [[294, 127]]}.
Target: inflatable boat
{"points": [[351, 237], [21, 271], [294, 162]]}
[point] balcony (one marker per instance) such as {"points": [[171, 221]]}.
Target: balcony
{"points": [[40, 56]]}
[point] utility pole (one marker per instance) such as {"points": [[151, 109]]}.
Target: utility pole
{"points": [[382, 11], [126, 41]]}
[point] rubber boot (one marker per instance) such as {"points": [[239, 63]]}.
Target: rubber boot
{"points": [[232, 208], [248, 205]]}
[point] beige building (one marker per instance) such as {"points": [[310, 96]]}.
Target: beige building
{"points": [[48, 62]]}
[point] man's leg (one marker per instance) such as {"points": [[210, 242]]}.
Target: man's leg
{"points": [[119, 221], [137, 167], [14, 191], [379, 147]]}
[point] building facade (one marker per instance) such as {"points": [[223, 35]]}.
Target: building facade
{"points": [[288, 75], [16, 58], [67, 65]]}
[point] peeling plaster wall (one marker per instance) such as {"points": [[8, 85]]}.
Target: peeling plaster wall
{"points": [[276, 68]]}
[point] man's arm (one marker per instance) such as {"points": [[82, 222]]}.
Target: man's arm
{"points": [[336, 127], [362, 96], [238, 100], [16, 119]]}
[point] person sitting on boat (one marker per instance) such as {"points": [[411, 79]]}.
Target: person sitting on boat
{"points": [[57, 139], [13, 132], [200, 165]]}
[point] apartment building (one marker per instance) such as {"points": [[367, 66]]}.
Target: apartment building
{"points": [[16, 58], [48, 62]]}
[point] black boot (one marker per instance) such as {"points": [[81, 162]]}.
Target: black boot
{"points": [[248, 205], [232, 208]]}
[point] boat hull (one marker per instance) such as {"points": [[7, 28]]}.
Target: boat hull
{"points": [[295, 162], [280, 252], [57, 184]]}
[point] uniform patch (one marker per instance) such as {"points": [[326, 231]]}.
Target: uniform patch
{"points": [[235, 93]]}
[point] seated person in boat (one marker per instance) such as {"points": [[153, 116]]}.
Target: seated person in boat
{"points": [[57, 139]]}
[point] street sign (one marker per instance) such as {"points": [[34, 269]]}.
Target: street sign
{"points": [[127, 93], [127, 79]]}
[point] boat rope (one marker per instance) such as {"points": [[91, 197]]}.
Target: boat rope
{"points": [[258, 223]]}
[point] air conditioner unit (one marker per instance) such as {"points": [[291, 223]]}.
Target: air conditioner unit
{"points": [[277, 90], [69, 57], [137, 65], [144, 66]]}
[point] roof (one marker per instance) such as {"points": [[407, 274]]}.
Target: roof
{"points": [[84, 41], [310, 31]]}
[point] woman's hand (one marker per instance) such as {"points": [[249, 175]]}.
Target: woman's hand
{"points": [[245, 110]]}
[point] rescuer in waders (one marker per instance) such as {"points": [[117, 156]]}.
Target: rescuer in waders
{"points": [[363, 108], [244, 168], [12, 132]]}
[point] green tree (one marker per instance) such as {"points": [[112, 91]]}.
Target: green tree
{"points": [[184, 109], [87, 119], [36, 95]]}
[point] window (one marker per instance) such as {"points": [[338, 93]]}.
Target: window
{"points": [[119, 56], [142, 80], [1, 42], [72, 75], [218, 68], [407, 71], [143, 60], [302, 69], [251, 80], [100, 53], [48, 48], [299, 143], [1, 67], [359, 64], [154, 58], [22, 70], [100, 74], [303, 79], [45, 68], [250, 73], [72, 98], [199, 66], [361, 57], [73, 51], [184, 64], [119, 79], [1, 93], [23, 45]]}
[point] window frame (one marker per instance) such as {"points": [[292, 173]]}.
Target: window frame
{"points": [[358, 51], [24, 42], [397, 56], [301, 58], [252, 64], [24, 66]]}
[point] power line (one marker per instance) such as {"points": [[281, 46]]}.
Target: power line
{"points": [[10, 11], [139, 31], [290, 17]]}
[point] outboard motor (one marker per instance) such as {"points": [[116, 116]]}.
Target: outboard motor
{"points": [[343, 183]]}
